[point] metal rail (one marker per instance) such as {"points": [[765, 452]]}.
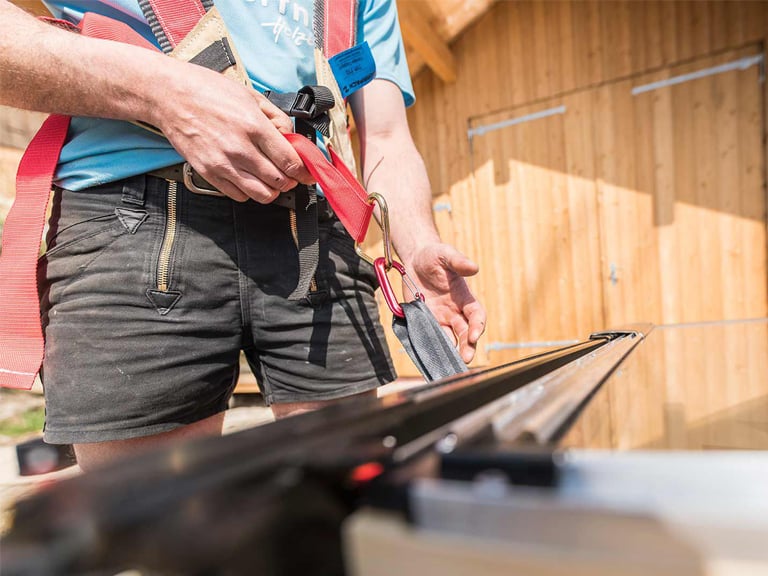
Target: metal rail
{"points": [[229, 505]]}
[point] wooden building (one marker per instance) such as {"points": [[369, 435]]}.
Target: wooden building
{"points": [[604, 162]]}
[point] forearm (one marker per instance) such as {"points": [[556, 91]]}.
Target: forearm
{"points": [[47, 69], [392, 166]]}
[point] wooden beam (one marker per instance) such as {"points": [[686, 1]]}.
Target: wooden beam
{"points": [[421, 36], [32, 6], [452, 17]]}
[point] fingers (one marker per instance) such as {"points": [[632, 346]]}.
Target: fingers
{"points": [[468, 328], [284, 158], [241, 176], [476, 317], [278, 150], [279, 118], [461, 331]]}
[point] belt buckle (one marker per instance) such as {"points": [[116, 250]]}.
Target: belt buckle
{"points": [[189, 173]]}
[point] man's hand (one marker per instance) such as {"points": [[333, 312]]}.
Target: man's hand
{"points": [[440, 270], [231, 135]]}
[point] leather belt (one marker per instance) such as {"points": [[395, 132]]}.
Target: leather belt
{"points": [[185, 174]]}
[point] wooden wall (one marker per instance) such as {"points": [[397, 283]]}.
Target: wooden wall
{"points": [[614, 207]]}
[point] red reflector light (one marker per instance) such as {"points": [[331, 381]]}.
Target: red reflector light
{"points": [[366, 472]]}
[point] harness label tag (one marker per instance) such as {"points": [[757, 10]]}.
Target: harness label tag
{"points": [[353, 68]]}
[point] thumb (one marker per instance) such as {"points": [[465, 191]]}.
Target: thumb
{"points": [[459, 263], [279, 119]]}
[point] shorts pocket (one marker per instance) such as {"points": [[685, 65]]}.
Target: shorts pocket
{"points": [[80, 231]]}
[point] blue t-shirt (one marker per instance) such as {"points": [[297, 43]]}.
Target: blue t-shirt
{"points": [[275, 41]]}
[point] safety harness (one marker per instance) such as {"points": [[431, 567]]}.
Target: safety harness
{"points": [[315, 108]]}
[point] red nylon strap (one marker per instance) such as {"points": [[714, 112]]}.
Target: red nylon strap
{"points": [[21, 337], [98, 26], [177, 17], [342, 190], [339, 24]]}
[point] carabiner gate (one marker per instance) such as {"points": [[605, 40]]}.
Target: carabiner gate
{"points": [[380, 267], [376, 198]]}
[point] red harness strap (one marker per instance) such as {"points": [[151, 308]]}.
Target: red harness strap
{"points": [[172, 20], [342, 190], [339, 25], [21, 336]]}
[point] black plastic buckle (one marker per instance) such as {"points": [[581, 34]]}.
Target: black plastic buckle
{"points": [[303, 106]]}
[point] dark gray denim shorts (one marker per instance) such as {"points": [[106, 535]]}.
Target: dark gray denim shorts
{"points": [[147, 305]]}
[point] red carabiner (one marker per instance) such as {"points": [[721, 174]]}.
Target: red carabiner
{"points": [[380, 267]]}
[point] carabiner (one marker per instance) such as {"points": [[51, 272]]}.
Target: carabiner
{"points": [[376, 198], [380, 267]]}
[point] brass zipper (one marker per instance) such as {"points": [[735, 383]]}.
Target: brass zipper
{"points": [[164, 262], [295, 234]]}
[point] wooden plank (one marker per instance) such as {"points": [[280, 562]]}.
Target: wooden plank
{"points": [[686, 209], [720, 15], [615, 24], [701, 42], [587, 43], [754, 21], [9, 163], [17, 127], [523, 13], [541, 47], [645, 275], [683, 30], [706, 234], [35, 7], [453, 16], [669, 31], [751, 189], [564, 241], [664, 217], [564, 38], [514, 65], [583, 213]]}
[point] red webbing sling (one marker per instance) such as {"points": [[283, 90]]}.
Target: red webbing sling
{"points": [[342, 190], [21, 336]]}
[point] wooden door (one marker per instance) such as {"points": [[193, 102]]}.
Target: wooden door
{"points": [[629, 202], [537, 225], [680, 181]]}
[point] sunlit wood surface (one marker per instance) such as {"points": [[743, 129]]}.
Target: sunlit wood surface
{"points": [[698, 387], [622, 208]]}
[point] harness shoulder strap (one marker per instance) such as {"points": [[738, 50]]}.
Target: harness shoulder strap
{"points": [[172, 20]]}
